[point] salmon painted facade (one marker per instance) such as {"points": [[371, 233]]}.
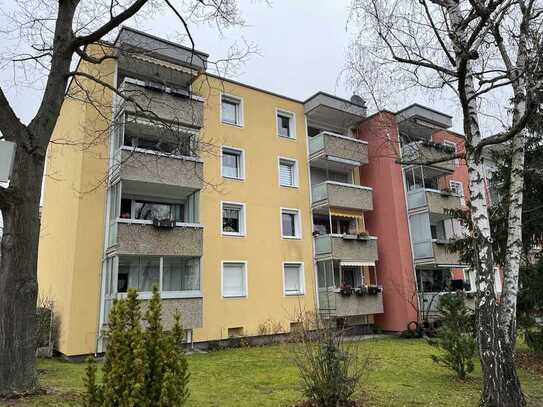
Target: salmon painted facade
{"points": [[248, 210]]}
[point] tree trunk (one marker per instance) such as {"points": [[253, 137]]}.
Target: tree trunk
{"points": [[18, 275], [501, 384]]}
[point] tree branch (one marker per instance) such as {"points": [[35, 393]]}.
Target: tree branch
{"points": [[110, 25], [10, 125]]}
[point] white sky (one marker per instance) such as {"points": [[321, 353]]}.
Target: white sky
{"points": [[302, 46]]}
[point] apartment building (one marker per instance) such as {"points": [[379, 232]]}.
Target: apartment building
{"points": [[247, 209]]}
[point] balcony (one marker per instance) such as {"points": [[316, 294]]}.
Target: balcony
{"points": [[354, 248], [334, 112], [180, 109], [436, 201], [352, 305], [335, 151], [191, 310], [143, 238], [341, 195], [424, 151], [150, 167], [442, 255]]}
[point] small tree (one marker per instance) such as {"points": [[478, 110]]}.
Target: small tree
{"points": [[455, 337], [143, 367], [330, 371]]}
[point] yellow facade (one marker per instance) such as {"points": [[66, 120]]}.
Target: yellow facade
{"points": [[73, 217], [262, 248]]}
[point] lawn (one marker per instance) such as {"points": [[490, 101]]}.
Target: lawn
{"points": [[400, 373]]}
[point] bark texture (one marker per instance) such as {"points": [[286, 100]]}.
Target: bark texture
{"points": [[18, 279]]}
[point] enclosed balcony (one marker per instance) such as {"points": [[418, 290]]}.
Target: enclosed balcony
{"points": [[435, 200], [348, 289], [342, 195], [162, 157], [337, 152]]}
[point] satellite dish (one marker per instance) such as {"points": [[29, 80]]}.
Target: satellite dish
{"points": [[357, 100]]}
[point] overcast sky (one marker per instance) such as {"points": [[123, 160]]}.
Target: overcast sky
{"points": [[302, 45]]}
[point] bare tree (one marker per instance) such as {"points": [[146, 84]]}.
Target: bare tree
{"points": [[51, 37], [472, 49]]}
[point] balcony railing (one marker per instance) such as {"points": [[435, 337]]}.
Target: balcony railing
{"points": [[421, 152], [327, 145], [436, 201], [144, 238], [435, 251], [342, 195], [351, 305], [158, 168], [347, 247]]}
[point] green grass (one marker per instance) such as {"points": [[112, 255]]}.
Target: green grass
{"points": [[400, 373]]}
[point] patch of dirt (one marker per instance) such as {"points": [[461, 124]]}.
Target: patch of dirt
{"points": [[530, 361], [308, 403]]}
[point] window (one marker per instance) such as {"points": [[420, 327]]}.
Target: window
{"points": [[233, 219], [180, 274], [290, 224], [148, 210], [233, 165], [234, 279], [141, 273], [285, 124], [293, 278], [231, 110], [458, 188], [169, 274], [288, 173]]}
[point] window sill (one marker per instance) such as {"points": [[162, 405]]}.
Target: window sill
{"points": [[287, 138], [290, 186], [294, 294], [233, 297], [147, 295], [230, 234], [150, 222], [233, 178], [239, 126], [291, 237]]}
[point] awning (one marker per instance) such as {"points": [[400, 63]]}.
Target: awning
{"points": [[357, 263], [346, 213]]}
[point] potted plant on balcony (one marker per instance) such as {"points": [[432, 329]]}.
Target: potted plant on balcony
{"points": [[361, 291], [363, 235], [166, 223], [374, 290], [447, 192], [345, 289]]}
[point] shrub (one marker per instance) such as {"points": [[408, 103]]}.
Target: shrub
{"points": [[455, 337], [143, 367], [330, 372], [534, 339]]}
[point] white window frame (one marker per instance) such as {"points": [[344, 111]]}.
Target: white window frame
{"points": [[292, 123], [243, 219], [298, 223], [235, 99], [461, 184], [455, 146], [245, 276], [296, 173], [301, 277], [241, 152]]}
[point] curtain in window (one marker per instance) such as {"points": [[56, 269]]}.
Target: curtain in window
{"points": [[141, 273], [233, 280], [292, 278], [230, 165], [229, 111], [230, 221], [286, 173], [180, 274], [289, 224]]}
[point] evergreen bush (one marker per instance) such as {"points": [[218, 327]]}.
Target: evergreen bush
{"points": [[455, 338], [143, 367]]}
